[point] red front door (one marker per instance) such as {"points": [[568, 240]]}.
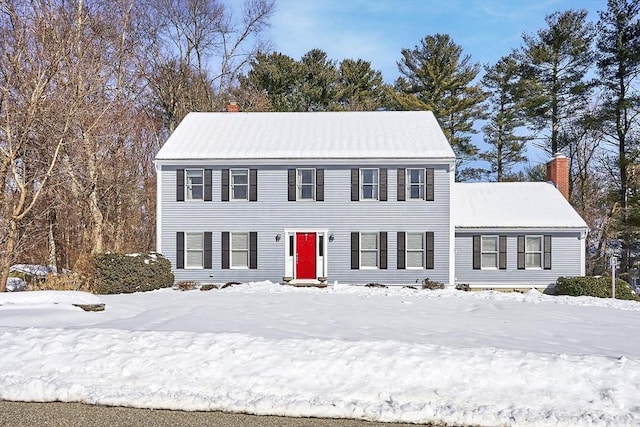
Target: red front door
{"points": [[305, 255]]}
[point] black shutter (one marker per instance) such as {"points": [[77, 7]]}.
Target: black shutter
{"points": [[383, 185], [402, 192], [179, 250], [355, 185], [180, 185], [520, 252], [291, 184], [428, 194], [429, 245], [319, 185], [253, 185], [502, 252], [253, 250], [208, 252], [355, 251], [401, 246], [225, 249], [225, 185], [383, 250], [476, 252], [207, 186], [547, 252]]}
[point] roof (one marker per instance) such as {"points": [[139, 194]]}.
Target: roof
{"points": [[320, 135], [512, 205]]}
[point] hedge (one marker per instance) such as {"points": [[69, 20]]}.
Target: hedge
{"points": [[120, 273], [593, 286]]}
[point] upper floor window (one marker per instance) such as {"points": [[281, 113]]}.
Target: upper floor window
{"points": [[489, 248], [306, 184], [239, 184], [194, 184], [533, 252], [415, 184], [369, 184]]}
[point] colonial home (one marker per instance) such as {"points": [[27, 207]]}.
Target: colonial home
{"points": [[350, 197]]}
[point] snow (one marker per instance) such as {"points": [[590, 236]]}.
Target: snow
{"points": [[385, 135], [474, 358], [512, 205]]}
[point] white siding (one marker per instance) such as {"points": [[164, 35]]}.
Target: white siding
{"points": [[566, 260], [337, 214]]}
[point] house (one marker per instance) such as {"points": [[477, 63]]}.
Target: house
{"points": [[350, 197]]}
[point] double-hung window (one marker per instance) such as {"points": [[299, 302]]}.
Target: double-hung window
{"points": [[415, 250], [489, 249], [415, 184], [194, 250], [306, 184], [194, 184], [369, 183], [239, 184], [239, 250], [533, 252], [369, 250]]}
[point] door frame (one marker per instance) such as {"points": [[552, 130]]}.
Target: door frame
{"points": [[290, 252]]}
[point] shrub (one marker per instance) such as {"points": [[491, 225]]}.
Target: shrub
{"points": [[186, 285], [61, 282], [593, 286], [118, 273]]}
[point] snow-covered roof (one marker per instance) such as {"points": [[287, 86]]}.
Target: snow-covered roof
{"points": [[321, 135], [512, 205]]}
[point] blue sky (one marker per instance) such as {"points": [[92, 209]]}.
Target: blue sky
{"points": [[377, 30]]}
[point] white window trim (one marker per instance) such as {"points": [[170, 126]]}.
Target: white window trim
{"points": [[407, 250], [232, 250], [232, 185], [541, 252], [299, 185], [377, 185], [423, 185], [187, 198], [187, 250], [377, 251], [497, 252]]}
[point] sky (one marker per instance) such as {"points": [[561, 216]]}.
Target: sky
{"points": [[377, 30]]}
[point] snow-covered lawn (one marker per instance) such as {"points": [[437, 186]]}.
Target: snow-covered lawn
{"points": [[408, 355]]}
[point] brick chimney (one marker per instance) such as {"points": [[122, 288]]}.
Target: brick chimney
{"points": [[232, 107], [558, 173]]}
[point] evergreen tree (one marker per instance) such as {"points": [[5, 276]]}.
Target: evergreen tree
{"points": [[438, 77], [556, 61], [361, 88], [504, 87], [320, 78], [279, 77], [618, 46]]}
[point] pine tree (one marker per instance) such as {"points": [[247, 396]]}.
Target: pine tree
{"points": [[504, 87], [361, 88], [557, 60], [438, 77], [618, 68]]}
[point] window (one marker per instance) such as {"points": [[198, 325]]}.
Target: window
{"points": [[489, 248], [369, 184], [239, 250], [194, 249], [415, 184], [415, 250], [194, 184], [239, 184], [369, 250], [306, 184], [533, 252]]}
